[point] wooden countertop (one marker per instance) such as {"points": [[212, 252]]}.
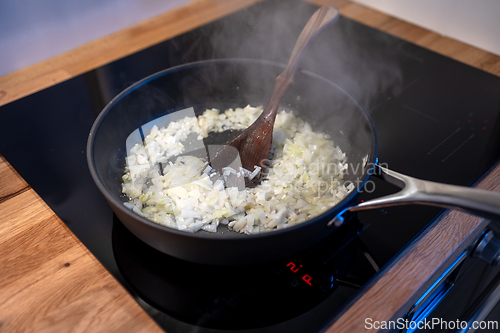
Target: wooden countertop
{"points": [[50, 282]]}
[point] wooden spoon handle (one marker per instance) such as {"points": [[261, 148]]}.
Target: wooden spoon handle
{"points": [[320, 19], [255, 142]]}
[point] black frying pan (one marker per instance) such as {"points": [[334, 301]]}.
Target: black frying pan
{"points": [[233, 83]]}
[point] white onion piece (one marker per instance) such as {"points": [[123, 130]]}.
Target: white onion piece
{"points": [[303, 179]]}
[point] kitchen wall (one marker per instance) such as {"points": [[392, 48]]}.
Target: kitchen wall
{"points": [[471, 21], [34, 30]]}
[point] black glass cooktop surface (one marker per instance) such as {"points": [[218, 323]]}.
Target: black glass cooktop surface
{"points": [[436, 119]]}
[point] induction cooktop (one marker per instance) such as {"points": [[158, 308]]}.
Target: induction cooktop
{"points": [[436, 119]]}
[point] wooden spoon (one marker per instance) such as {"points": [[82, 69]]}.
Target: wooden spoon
{"points": [[254, 143]]}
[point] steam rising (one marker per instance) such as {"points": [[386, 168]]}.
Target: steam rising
{"points": [[340, 53]]}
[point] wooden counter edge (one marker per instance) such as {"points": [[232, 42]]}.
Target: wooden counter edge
{"points": [[50, 281], [99, 52], [150, 32], [391, 296]]}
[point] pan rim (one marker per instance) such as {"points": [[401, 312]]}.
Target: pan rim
{"points": [[328, 214]]}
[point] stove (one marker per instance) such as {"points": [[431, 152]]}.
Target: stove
{"points": [[436, 118]]}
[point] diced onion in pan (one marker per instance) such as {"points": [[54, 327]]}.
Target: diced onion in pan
{"points": [[302, 180]]}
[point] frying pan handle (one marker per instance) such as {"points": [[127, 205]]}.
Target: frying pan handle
{"points": [[416, 191]]}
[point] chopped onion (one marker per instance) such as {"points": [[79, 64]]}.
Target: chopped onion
{"points": [[303, 179]]}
